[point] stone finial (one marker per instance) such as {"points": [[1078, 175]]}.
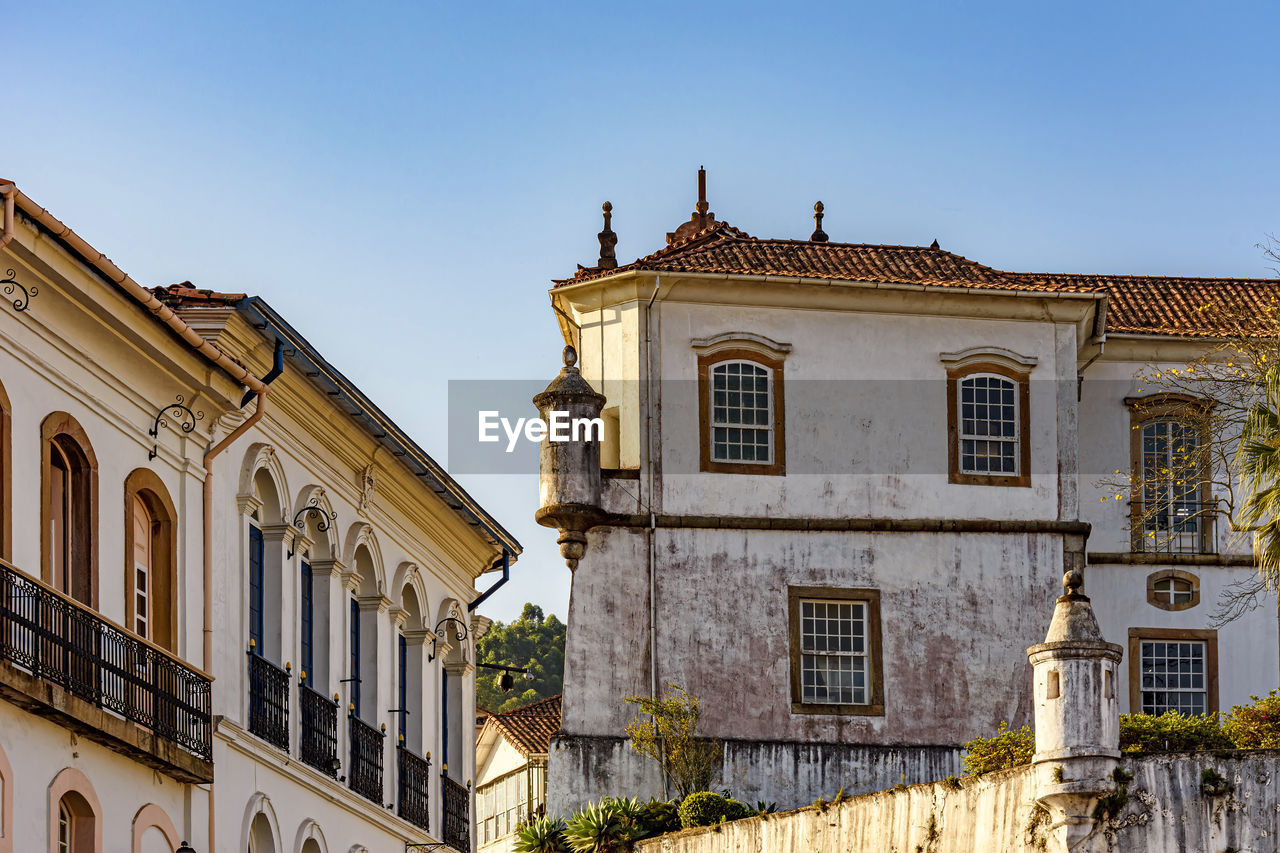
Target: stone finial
{"points": [[934, 244], [570, 356], [608, 240], [702, 218], [818, 235]]}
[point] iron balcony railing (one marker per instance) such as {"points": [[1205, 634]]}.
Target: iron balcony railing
{"points": [[268, 701], [364, 772], [1175, 527], [412, 804], [63, 642], [318, 745], [457, 814]]}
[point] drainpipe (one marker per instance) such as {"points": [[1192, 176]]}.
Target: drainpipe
{"points": [[653, 519], [505, 561], [8, 191]]}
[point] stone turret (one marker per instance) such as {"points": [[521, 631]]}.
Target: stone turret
{"points": [[569, 471], [1077, 719]]}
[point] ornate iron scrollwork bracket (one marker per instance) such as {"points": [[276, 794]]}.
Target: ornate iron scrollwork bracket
{"points": [[11, 284], [312, 509], [460, 633], [180, 414]]}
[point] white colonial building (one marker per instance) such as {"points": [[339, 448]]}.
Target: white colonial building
{"points": [[237, 602], [838, 490]]}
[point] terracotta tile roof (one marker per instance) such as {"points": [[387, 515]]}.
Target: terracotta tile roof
{"points": [[530, 728], [187, 295], [1155, 305]]}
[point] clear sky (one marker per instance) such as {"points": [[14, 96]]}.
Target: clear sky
{"points": [[402, 181]]}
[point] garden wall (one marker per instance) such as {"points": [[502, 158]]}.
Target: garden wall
{"points": [[1165, 811]]}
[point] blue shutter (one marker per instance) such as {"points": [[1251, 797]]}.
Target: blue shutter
{"points": [[404, 686], [355, 655], [255, 588], [305, 618]]}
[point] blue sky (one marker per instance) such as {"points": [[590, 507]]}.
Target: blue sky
{"points": [[402, 180]]}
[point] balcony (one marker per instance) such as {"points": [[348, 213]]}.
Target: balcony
{"points": [[415, 779], [1176, 528], [457, 814], [63, 661], [268, 701], [318, 745], [365, 770]]}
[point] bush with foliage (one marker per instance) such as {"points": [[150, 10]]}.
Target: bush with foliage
{"points": [[660, 817], [665, 729], [1171, 732], [1257, 725], [542, 835], [1007, 748], [703, 808]]}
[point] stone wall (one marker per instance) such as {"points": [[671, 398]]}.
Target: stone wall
{"points": [[1163, 809], [784, 772]]}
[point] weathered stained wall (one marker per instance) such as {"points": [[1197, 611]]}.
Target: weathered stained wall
{"points": [[785, 772], [957, 613], [1165, 812]]}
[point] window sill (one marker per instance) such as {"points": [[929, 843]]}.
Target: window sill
{"points": [[876, 710]]}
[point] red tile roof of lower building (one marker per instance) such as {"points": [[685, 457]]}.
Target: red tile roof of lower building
{"points": [[530, 728]]}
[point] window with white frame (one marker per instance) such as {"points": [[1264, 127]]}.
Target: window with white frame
{"points": [[741, 413], [835, 651], [1174, 591], [989, 425]]}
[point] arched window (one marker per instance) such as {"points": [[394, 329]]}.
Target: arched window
{"points": [[1171, 510], [988, 417], [261, 838], [150, 550], [75, 814], [741, 409], [69, 509], [1173, 589]]}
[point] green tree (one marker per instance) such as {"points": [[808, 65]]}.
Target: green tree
{"points": [[533, 641], [665, 730]]}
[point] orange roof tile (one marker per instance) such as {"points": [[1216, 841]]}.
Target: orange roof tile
{"points": [[1154, 305], [530, 728]]}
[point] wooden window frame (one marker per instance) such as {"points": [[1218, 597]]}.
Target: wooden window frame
{"points": [[1207, 635], [144, 484], [1172, 574], [875, 653], [1022, 378], [1157, 407], [707, 360], [53, 426]]}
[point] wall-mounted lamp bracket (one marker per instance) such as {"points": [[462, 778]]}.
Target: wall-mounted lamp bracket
{"points": [[460, 633], [180, 414], [312, 509], [10, 285]]}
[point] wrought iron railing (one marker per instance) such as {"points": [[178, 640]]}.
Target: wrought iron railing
{"points": [[1175, 527], [457, 814], [318, 745], [268, 701], [364, 771], [412, 804], [63, 642]]}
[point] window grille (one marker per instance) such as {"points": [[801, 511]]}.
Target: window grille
{"points": [[741, 413], [833, 652], [989, 425], [1173, 676]]}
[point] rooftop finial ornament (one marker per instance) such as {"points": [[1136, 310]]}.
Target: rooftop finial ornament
{"points": [[818, 235], [608, 240], [702, 218]]}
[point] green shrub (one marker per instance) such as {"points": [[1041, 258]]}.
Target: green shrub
{"points": [[765, 807], [659, 817], [1171, 732], [542, 835], [702, 809], [1257, 725], [734, 810], [1007, 748], [610, 826]]}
